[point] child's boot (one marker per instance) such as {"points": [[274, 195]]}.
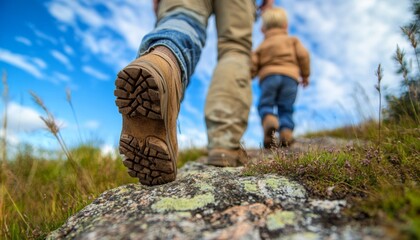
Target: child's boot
{"points": [[270, 126], [286, 137], [148, 93]]}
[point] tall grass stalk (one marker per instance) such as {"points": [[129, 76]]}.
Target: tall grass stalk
{"points": [[68, 98], [400, 58], [17, 209], [6, 103], [54, 129], [410, 32], [379, 75]]}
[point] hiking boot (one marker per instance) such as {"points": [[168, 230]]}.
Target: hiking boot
{"points": [[227, 158], [286, 137], [148, 93], [270, 126]]}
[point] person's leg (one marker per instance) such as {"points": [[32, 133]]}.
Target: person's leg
{"points": [[181, 27], [285, 101], [269, 91], [149, 91], [229, 98]]}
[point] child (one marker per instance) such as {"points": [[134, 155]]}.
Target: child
{"points": [[281, 63]]}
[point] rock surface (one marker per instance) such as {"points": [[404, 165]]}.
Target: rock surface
{"points": [[213, 203]]}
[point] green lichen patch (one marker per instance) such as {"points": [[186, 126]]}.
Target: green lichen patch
{"points": [[250, 186], [279, 219], [205, 187], [273, 183], [183, 204]]}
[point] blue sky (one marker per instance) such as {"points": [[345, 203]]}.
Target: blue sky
{"points": [[50, 46]]}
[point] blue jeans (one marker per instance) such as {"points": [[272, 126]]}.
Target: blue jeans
{"points": [[181, 27], [182, 32], [278, 91]]}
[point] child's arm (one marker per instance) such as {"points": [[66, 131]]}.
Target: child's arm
{"points": [[254, 64], [304, 62]]}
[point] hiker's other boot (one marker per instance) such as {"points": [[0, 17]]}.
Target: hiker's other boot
{"points": [[227, 158], [286, 137], [148, 93], [270, 125]]}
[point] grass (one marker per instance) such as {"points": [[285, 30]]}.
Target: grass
{"points": [[37, 194], [380, 179], [379, 183]]}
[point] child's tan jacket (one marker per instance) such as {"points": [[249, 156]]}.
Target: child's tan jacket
{"points": [[280, 54]]}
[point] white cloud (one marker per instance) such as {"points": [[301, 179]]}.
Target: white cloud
{"points": [[59, 77], [69, 50], [62, 58], [347, 40], [92, 124], [113, 35], [23, 62], [21, 118], [95, 73], [62, 12], [192, 137], [42, 35], [11, 138], [23, 40], [40, 62], [109, 150]]}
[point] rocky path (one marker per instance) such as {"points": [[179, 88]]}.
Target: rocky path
{"points": [[213, 203]]}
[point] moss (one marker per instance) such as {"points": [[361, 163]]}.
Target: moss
{"points": [[183, 204], [273, 183], [205, 186], [250, 186], [279, 219]]}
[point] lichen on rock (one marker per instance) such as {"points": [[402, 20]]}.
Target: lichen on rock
{"points": [[279, 219], [207, 202], [183, 204]]}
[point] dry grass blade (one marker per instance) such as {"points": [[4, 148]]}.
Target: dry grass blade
{"points": [[410, 32], [54, 129], [379, 75], [6, 102], [68, 98], [17, 209], [400, 58]]}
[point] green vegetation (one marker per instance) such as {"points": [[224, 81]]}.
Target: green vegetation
{"points": [[39, 190], [379, 183], [37, 194], [380, 175]]}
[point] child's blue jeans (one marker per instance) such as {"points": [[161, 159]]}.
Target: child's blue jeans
{"points": [[278, 91]]}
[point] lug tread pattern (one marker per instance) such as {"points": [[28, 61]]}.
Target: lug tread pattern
{"points": [[147, 160], [137, 93]]}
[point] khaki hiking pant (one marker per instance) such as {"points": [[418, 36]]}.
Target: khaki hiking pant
{"points": [[229, 97]]}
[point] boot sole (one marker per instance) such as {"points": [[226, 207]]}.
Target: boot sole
{"points": [[143, 138]]}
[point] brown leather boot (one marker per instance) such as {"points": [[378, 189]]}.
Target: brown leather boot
{"points": [[227, 158], [148, 93], [286, 137], [270, 126]]}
